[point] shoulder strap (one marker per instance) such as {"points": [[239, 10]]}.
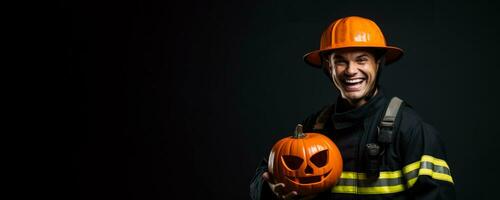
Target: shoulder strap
{"points": [[323, 117], [386, 126]]}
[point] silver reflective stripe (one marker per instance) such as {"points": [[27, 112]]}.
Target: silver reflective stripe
{"points": [[435, 168], [371, 183]]}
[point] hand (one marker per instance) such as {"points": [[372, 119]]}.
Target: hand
{"points": [[277, 189]]}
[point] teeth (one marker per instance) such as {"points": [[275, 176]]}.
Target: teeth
{"points": [[358, 80]]}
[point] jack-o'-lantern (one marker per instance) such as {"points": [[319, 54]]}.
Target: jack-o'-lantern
{"points": [[308, 163]]}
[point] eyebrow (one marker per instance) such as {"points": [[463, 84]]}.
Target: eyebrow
{"points": [[336, 56], [362, 55]]}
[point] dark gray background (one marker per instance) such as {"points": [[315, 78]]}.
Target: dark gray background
{"points": [[174, 100]]}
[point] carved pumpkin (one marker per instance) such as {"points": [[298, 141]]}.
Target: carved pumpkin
{"points": [[308, 163]]}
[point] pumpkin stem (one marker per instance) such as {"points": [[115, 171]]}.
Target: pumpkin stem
{"points": [[298, 132]]}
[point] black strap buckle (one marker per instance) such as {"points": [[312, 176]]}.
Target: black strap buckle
{"points": [[372, 165], [385, 133]]}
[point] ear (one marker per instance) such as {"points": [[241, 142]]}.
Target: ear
{"points": [[379, 62], [325, 65], [327, 68]]}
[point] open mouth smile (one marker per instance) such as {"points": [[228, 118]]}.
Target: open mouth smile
{"points": [[353, 84]]}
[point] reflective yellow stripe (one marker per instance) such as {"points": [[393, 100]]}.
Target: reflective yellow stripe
{"points": [[362, 176], [368, 190], [359, 177], [436, 161], [416, 164], [435, 175], [394, 174], [388, 181], [429, 172], [411, 167], [349, 175], [412, 181]]}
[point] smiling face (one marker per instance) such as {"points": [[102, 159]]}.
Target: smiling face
{"points": [[354, 73]]}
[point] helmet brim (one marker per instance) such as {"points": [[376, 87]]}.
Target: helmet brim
{"points": [[392, 54]]}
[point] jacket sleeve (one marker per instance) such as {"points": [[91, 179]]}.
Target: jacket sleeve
{"points": [[425, 167], [259, 189]]}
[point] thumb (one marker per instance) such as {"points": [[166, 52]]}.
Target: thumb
{"points": [[266, 176]]}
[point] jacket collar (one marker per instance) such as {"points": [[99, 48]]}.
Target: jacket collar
{"points": [[343, 117]]}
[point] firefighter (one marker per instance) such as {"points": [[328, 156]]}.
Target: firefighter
{"points": [[389, 152]]}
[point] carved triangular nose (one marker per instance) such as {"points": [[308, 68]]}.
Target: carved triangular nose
{"points": [[309, 170]]}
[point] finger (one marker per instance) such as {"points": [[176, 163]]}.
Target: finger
{"points": [[265, 176], [268, 177], [290, 195], [278, 188]]}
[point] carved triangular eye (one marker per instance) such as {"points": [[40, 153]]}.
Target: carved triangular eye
{"points": [[320, 159], [292, 162]]}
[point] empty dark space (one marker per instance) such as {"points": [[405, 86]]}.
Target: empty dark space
{"points": [[182, 99]]}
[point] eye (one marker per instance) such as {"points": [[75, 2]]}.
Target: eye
{"points": [[340, 62], [293, 162], [361, 60], [320, 159]]}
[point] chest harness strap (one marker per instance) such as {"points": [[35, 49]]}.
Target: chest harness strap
{"points": [[386, 126], [385, 131]]}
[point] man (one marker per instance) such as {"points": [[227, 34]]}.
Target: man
{"points": [[389, 152]]}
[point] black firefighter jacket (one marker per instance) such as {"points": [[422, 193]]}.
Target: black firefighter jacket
{"points": [[413, 166]]}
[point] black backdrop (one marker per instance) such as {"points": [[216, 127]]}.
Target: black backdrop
{"points": [[181, 100]]}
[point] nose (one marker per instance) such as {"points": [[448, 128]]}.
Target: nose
{"points": [[309, 170], [351, 69]]}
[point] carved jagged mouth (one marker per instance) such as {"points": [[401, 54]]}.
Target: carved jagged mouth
{"points": [[309, 179], [312, 179]]}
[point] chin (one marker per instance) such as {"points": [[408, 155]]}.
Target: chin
{"points": [[354, 96]]}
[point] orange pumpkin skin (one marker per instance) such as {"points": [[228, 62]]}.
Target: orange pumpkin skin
{"points": [[309, 164]]}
